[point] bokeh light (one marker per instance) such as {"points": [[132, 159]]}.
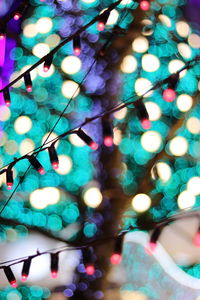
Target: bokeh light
{"points": [[141, 202], [92, 197], [44, 25], [129, 64], [193, 186], [23, 124], [184, 102], [151, 141], [65, 164], [70, 89], [140, 44], [178, 146], [186, 200], [71, 64], [150, 63]]}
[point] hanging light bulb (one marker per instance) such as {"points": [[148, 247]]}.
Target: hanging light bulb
{"points": [[28, 82], [6, 95], [169, 94], [19, 12], [2, 32], [26, 269], [196, 239], [9, 178], [77, 45], [142, 114], [103, 18], [36, 164], [107, 132], [54, 264], [10, 276], [86, 139], [47, 63], [153, 240], [144, 5], [53, 157], [116, 257], [88, 260]]}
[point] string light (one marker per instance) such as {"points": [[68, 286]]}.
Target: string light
{"points": [[153, 239], [144, 5], [20, 11], [6, 95], [77, 45], [103, 20], [107, 132], [36, 164], [9, 178], [116, 257], [142, 114], [169, 94], [53, 157], [10, 276], [48, 63], [54, 265], [26, 269], [28, 82], [85, 138], [2, 32], [88, 260]]}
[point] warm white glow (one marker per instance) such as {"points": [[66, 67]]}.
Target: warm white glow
{"points": [[193, 125], [93, 197], [153, 110], [33, 72], [186, 200], [13, 76], [88, 1], [117, 136], [75, 140], [44, 25], [163, 170], [65, 164], [30, 30], [125, 2], [40, 50], [132, 295], [182, 28], [71, 64], [40, 70], [36, 199], [165, 20], [52, 40], [194, 41], [11, 147], [142, 85], [41, 198], [193, 185], [184, 102], [151, 141], [51, 137], [113, 17], [141, 202], [175, 65], [4, 113], [120, 114], [184, 50], [26, 146], [178, 146], [22, 124], [140, 44], [129, 64], [70, 89], [150, 63]]}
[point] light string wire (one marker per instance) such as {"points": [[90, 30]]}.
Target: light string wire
{"points": [[114, 109], [162, 223]]}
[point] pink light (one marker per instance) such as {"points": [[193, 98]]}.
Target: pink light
{"points": [[2, 36], [24, 277], [77, 51], [54, 274], [93, 145], [46, 68], [9, 185], [17, 16], [145, 5], [150, 248], [90, 270], [101, 26], [146, 124], [115, 258], [108, 141], [196, 239], [55, 165], [41, 171], [13, 283], [7, 103], [29, 88], [169, 95]]}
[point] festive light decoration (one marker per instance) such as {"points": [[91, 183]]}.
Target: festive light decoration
{"points": [[28, 82], [169, 94], [19, 12], [115, 258], [145, 5], [107, 132], [26, 269], [9, 177], [10, 276], [153, 239], [142, 114], [47, 63], [88, 260], [53, 156], [2, 32], [54, 264], [103, 20], [6, 95], [36, 164], [77, 45], [85, 138]]}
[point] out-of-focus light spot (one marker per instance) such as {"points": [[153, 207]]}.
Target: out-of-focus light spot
{"points": [[141, 202], [175, 65], [193, 125], [71, 64], [150, 63], [44, 25], [40, 50], [51, 137], [41, 198], [129, 64], [151, 141], [88, 1], [165, 20], [184, 50], [183, 28], [120, 114], [193, 185], [113, 17], [142, 85], [70, 89], [76, 141], [125, 2], [132, 295], [11, 147], [13, 296], [117, 136], [22, 124], [36, 199], [186, 200], [30, 30], [41, 72], [162, 170], [65, 164], [51, 194], [184, 102], [140, 44], [147, 27], [153, 110], [194, 40], [52, 40], [26, 146], [33, 72], [13, 76], [93, 197], [4, 113], [178, 146]]}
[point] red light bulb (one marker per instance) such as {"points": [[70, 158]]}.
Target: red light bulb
{"points": [[29, 88], [41, 171], [196, 239], [150, 248], [77, 51], [13, 283], [54, 274], [55, 165], [146, 124], [169, 95], [145, 5], [2, 36], [9, 185], [17, 16], [90, 269], [24, 277], [108, 141], [7, 103], [46, 68], [93, 145], [115, 258], [101, 26]]}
